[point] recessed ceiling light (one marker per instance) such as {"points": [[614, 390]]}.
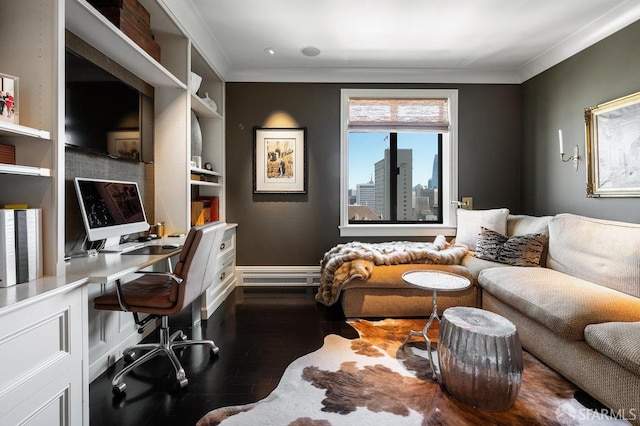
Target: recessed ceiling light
{"points": [[269, 51], [310, 51]]}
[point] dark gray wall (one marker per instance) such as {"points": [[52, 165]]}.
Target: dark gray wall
{"points": [[556, 99], [298, 229]]}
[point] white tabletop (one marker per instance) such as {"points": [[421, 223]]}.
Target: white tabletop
{"points": [[436, 280]]}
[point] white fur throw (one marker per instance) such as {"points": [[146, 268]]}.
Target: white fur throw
{"points": [[352, 260]]}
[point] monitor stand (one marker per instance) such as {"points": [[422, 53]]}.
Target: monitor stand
{"points": [[112, 245]]}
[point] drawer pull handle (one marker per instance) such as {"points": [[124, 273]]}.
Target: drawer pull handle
{"points": [[222, 275], [222, 246]]}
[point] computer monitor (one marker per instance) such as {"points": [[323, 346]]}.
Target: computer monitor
{"points": [[110, 209]]}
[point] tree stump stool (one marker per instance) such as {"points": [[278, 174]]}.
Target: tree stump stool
{"points": [[480, 358]]}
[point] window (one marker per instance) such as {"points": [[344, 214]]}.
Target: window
{"points": [[398, 162]]}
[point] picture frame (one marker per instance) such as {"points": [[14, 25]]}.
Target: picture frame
{"points": [[612, 132], [279, 160], [124, 144], [9, 99]]}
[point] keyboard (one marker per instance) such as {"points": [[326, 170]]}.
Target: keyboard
{"points": [[122, 248]]}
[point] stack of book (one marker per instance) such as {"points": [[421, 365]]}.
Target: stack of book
{"points": [[20, 246]]}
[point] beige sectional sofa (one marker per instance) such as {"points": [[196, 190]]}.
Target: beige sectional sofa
{"points": [[579, 312]]}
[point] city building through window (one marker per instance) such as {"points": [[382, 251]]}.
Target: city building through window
{"points": [[399, 162]]}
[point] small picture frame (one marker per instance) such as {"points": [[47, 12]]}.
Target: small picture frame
{"points": [[279, 160], [124, 144], [9, 98]]}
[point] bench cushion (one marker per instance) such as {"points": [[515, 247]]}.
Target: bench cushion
{"points": [[562, 303]]}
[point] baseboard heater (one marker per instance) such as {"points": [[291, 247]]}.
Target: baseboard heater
{"points": [[281, 276]]}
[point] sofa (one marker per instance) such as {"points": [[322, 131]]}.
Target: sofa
{"points": [[580, 314], [577, 309]]}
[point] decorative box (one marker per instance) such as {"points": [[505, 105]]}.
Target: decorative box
{"points": [[7, 154]]}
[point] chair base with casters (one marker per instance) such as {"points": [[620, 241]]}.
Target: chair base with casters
{"points": [[161, 294], [166, 346]]}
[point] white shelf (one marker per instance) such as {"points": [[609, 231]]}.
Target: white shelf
{"points": [[11, 129], [196, 170], [210, 184], [88, 24], [13, 169], [203, 109]]}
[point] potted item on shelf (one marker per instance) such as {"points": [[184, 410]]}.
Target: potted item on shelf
{"points": [[207, 100], [8, 98]]}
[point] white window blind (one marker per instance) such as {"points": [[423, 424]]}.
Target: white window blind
{"points": [[372, 114]]}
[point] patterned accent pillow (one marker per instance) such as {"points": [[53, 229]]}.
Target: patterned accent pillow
{"points": [[519, 250]]}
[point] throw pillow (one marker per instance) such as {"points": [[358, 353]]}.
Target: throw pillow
{"points": [[470, 222], [519, 250]]}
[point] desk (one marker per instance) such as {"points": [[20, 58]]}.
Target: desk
{"points": [[108, 267], [48, 325], [46, 329]]}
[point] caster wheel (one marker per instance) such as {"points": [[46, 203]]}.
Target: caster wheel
{"points": [[213, 351], [182, 383], [118, 391]]}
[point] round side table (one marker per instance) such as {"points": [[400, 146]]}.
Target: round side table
{"points": [[435, 281], [480, 358]]}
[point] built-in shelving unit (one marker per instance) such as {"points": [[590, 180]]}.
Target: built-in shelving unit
{"points": [[55, 321]]}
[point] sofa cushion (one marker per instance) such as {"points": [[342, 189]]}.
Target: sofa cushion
{"points": [[475, 265], [564, 304], [518, 250], [617, 340], [600, 251], [524, 224], [390, 276], [470, 222]]}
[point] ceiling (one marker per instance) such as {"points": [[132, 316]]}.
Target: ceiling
{"points": [[500, 41]]}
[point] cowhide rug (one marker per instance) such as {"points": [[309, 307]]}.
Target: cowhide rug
{"points": [[374, 381]]}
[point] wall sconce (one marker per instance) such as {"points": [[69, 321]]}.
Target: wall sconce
{"points": [[576, 153]]}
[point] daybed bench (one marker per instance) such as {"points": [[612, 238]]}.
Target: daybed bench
{"points": [[578, 312]]}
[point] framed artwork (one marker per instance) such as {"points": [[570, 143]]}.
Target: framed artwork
{"points": [[279, 160], [613, 148], [124, 144], [9, 98]]}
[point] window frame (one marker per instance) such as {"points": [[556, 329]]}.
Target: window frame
{"points": [[449, 184]]}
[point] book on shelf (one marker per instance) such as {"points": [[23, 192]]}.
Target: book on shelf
{"points": [[205, 210], [21, 246], [7, 249]]}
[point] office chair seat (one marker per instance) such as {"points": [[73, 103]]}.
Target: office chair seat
{"points": [[148, 294], [164, 294]]}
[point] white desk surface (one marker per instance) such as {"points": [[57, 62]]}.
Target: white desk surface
{"points": [[80, 271]]}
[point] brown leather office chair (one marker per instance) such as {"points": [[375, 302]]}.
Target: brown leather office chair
{"points": [[166, 293]]}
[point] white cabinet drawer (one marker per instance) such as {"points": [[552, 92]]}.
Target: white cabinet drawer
{"points": [[38, 343], [228, 245]]}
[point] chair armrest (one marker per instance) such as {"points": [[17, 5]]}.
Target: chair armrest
{"points": [[167, 274]]}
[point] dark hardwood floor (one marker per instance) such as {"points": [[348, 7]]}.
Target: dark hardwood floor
{"points": [[260, 331]]}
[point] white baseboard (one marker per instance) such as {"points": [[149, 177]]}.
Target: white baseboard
{"points": [[281, 276]]}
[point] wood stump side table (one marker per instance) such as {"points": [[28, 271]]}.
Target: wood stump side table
{"points": [[480, 358], [435, 281]]}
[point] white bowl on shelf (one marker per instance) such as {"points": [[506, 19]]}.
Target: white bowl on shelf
{"points": [[194, 82]]}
